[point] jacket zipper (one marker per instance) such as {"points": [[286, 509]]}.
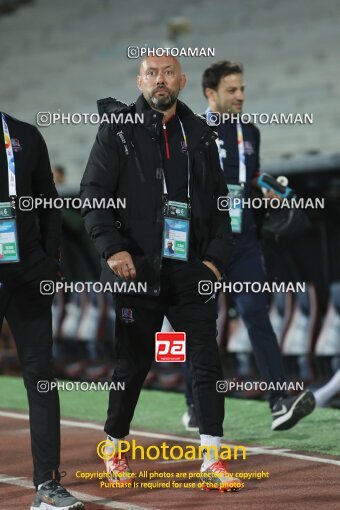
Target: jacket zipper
{"points": [[167, 150], [161, 178], [139, 166]]}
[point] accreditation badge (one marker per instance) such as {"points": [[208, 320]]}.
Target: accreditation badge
{"points": [[176, 231], [236, 195], [9, 248]]}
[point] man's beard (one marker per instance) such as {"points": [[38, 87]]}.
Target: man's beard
{"points": [[222, 108], [163, 103]]}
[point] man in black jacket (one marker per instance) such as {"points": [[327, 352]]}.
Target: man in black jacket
{"points": [[167, 169], [29, 247]]}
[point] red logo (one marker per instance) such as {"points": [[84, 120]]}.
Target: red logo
{"points": [[170, 346]]}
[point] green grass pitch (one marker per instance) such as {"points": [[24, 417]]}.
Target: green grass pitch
{"points": [[246, 421]]}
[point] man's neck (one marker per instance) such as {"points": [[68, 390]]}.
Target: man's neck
{"points": [[211, 107]]}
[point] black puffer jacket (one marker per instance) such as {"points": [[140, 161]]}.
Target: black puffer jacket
{"points": [[39, 230], [126, 163]]}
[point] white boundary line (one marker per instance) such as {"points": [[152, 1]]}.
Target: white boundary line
{"points": [[253, 450], [86, 498]]}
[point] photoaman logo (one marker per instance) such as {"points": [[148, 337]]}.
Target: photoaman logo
{"points": [[107, 450]]}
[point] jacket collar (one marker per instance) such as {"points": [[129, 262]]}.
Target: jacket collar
{"points": [[195, 127], [150, 116]]}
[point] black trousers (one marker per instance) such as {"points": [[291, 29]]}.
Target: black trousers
{"points": [[247, 265], [139, 318], [29, 316]]}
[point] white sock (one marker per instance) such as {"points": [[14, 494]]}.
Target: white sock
{"points": [[41, 484], [212, 454], [328, 391], [109, 450]]}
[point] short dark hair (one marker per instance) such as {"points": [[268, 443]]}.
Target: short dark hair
{"points": [[213, 74]]}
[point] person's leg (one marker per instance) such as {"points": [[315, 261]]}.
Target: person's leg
{"points": [[222, 326], [248, 266], [196, 314], [137, 320], [253, 311], [30, 319], [4, 300], [189, 418], [187, 383], [222, 322], [326, 392]]}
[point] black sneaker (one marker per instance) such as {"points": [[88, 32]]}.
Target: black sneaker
{"points": [[288, 411], [189, 419], [53, 496]]}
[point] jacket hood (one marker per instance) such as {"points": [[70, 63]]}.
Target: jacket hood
{"points": [[112, 105]]}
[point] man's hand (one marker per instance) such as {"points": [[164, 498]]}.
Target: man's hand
{"points": [[214, 269], [122, 265], [270, 194]]}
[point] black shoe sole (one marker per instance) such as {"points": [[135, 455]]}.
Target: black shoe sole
{"points": [[42, 506], [303, 406]]}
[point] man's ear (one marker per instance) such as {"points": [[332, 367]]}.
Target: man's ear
{"points": [[139, 82], [182, 82], [210, 93], [211, 96]]}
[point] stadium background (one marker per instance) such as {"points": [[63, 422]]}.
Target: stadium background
{"points": [[63, 56]]}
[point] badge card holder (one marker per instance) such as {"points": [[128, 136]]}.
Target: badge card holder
{"points": [[236, 194], [176, 230], [9, 246]]}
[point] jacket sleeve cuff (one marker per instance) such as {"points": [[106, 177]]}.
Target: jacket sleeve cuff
{"points": [[111, 250]]}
